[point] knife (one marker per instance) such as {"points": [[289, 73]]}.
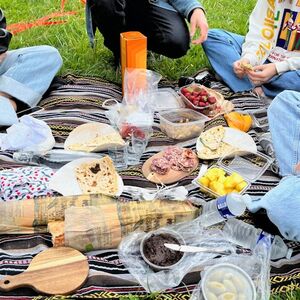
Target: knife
{"points": [[195, 249]]}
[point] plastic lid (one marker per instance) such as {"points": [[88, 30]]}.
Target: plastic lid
{"points": [[166, 98], [249, 165], [174, 115]]}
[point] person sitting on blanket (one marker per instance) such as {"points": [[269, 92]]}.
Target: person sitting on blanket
{"points": [[283, 202], [162, 21], [25, 75], [271, 47]]}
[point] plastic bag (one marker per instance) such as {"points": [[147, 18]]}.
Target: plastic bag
{"points": [[137, 108], [29, 134], [256, 265], [193, 234]]}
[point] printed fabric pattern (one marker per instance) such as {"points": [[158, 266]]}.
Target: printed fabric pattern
{"points": [[25, 183]]}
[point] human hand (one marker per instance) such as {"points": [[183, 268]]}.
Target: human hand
{"points": [[198, 21], [262, 74], [238, 69]]}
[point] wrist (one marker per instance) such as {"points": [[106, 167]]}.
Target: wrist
{"points": [[201, 10]]}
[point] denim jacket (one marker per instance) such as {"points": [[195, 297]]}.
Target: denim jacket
{"points": [[184, 7]]}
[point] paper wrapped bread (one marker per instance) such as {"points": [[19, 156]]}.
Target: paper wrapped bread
{"points": [[93, 137]]}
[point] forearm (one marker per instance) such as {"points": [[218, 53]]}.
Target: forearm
{"points": [[291, 64], [257, 46], [185, 7]]}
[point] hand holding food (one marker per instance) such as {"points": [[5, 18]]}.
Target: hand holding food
{"points": [[262, 74], [241, 67]]}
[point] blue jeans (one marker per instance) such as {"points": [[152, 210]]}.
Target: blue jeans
{"points": [[223, 48], [284, 122], [26, 74]]}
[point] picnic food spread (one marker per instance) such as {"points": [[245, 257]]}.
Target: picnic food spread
{"points": [[96, 219]]}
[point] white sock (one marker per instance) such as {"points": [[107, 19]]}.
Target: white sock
{"points": [[8, 115]]}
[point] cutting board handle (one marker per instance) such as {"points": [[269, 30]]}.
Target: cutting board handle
{"points": [[9, 283]]}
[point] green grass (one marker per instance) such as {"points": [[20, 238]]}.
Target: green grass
{"points": [[79, 58]]}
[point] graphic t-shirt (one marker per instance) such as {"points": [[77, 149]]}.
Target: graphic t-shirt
{"points": [[274, 34]]}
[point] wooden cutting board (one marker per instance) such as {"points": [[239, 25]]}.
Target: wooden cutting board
{"points": [[55, 271], [171, 177]]}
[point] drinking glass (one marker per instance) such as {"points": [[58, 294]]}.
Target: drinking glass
{"points": [[137, 145], [119, 156]]}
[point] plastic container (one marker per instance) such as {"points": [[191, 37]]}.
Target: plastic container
{"points": [[249, 165], [204, 110], [225, 207], [247, 236], [177, 236], [166, 99], [224, 280], [182, 124]]}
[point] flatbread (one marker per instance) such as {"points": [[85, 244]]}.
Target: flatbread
{"points": [[213, 137], [98, 176], [100, 141], [93, 137], [222, 150]]}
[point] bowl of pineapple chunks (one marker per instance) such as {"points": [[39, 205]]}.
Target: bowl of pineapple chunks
{"points": [[218, 182]]}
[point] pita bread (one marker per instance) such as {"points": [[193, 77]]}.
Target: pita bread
{"points": [[222, 150], [213, 137], [98, 176], [93, 137]]}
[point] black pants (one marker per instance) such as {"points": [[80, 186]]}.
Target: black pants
{"points": [[166, 30]]}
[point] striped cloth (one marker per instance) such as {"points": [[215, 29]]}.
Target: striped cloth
{"points": [[79, 100]]}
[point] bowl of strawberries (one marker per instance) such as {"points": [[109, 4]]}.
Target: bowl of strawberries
{"points": [[199, 98]]}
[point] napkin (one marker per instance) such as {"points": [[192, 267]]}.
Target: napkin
{"points": [[283, 207], [29, 134]]}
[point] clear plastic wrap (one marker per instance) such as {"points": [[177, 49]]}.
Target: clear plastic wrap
{"points": [[256, 265], [193, 234], [137, 107]]}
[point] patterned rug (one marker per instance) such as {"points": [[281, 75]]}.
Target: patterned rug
{"points": [[76, 100]]}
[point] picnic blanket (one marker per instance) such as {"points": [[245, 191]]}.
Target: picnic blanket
{"points": [[76, 100]]}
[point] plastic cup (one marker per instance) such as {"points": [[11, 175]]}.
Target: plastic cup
{"points": [[119, 157], [174, 234], [137, 145]]}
